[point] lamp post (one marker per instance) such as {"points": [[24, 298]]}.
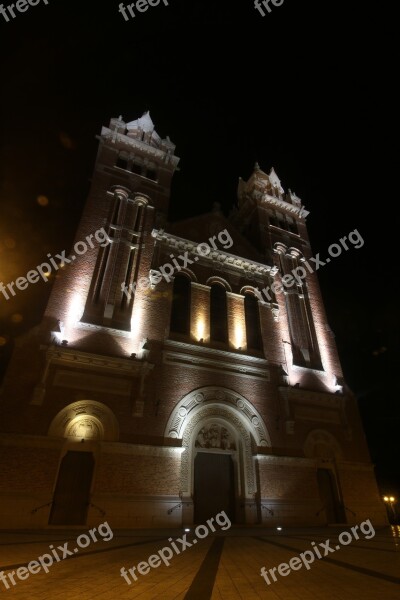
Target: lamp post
{"points": [[390, 501]]}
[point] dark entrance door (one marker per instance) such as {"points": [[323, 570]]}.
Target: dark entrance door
{"points": [[214, 487], [329, 496], [72, 493]]}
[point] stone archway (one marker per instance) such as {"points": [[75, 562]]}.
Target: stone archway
{"points": [[200, 409], [82, 421], [85, 419], [324, 447]]}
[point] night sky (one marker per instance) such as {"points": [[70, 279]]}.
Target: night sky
{"points": [[308, 89]]}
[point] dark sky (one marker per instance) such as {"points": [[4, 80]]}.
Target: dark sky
{"points": [[308, 89]]}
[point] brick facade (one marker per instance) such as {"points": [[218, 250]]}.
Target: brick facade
{"points": [[105, 373]]}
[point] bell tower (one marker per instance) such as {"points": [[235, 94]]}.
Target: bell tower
{"points": [[129, 197], [275, 223]]}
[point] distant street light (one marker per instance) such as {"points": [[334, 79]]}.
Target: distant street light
{"points": [[391, 501]]}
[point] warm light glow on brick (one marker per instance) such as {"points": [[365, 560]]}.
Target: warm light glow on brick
{"points": [[75, 309], [239, 336], [200, 329], [136, 328], [200, 313], [236, 321]]}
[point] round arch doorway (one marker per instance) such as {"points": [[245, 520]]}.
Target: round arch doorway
{"points": [[201, 408], [215, 472]]}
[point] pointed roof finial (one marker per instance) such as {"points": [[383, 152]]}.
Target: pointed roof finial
{"points": [[257, 166], [144, 123]]}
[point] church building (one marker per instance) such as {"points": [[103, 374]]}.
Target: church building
{"points": [[181, 369]]}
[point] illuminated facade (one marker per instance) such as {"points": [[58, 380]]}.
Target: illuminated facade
{"points": [[196, 393]]}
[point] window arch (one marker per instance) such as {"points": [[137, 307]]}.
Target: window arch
{"points": [[181, 299], [253, 324], [218, 314]]}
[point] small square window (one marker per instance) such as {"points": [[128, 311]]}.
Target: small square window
{"points": [[121, 163]]}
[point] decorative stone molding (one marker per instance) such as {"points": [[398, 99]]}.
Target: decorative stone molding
{"points": [[114, 137], [211, 404], [213, 360], [67, 356], [299, 211], [96, 419], [214, 435], [242, 408], [223, 282], [245, 266], [322, 444], [223, 413]]}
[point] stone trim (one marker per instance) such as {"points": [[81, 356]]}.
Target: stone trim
{"points": [[203, 364], [291, 461], [215, 395], [246, 266]]}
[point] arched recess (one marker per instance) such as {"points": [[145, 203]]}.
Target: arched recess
{"points": [[210, 403], [181, 304], [322, 444], [85, 419], [325, 449]]}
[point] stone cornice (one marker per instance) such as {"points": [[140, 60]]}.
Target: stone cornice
{"points": [[60, 355], [102, 328], [245, 265], [299, 211], [215, 352], [113, 136], [212, 365]]}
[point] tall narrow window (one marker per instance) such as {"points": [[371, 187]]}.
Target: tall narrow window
{"points": [[117, 205], [128, 276], [138, 217], [218, 314], [180, 314], [253, 325], [300, 317], [105, 255]]}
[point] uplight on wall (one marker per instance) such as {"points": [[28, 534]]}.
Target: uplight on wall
{"points": [[136, 326], [200, 329], [74, 314], [239, 341]]}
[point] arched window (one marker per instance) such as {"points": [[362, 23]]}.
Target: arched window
{"points": [[180, 314], [218, 314], [253, 325]]}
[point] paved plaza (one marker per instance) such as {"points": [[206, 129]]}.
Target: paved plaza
{"points": [[225, 565]]}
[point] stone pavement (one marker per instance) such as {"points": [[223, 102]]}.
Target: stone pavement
{"points": [[223, 566]]}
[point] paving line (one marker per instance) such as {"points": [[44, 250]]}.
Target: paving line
{"points": [[90, 552], [338, 563], [203, 583]]}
